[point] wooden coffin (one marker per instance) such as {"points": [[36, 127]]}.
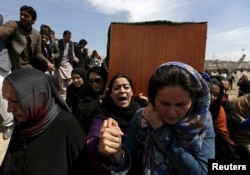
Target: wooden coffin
{"points": [[137, 49]]}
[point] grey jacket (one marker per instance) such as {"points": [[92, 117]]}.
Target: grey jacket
{"points": [[18, 40]]}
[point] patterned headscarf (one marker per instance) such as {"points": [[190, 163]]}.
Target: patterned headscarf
{"points": [[192, 128], [35, 97]]}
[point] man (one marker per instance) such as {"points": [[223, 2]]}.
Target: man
{"points": [[78, 52], [23, 41], [86, 58], [5, 69], [53, 45], [45, 36], [64, 64]]}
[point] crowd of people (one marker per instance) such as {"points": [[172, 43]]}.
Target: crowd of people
{"points": [[63, 116], [236, 76], [28, 47]]}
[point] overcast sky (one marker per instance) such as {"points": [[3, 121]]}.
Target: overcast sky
{"points": [[228, 21]]}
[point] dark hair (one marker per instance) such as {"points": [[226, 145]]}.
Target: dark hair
{"points": [[100, 71], [94, 52], [66, 32], [171, 75], [83, 41], [221, 79], [52, 32], [244, 77], [218, 81], [30, 10], [45, 32], [45, 27], [120, 76], [85, 49]]}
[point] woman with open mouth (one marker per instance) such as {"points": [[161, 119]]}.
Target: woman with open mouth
{"points": [[120, 105]]}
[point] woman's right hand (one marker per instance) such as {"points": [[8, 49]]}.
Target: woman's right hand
{"points": [[110, 141], [150, 114]]}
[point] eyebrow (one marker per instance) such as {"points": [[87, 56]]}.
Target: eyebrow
{"points": [[118, 85], [180, 103]]}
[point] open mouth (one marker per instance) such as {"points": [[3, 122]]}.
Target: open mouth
{"points": [[121, 99]]}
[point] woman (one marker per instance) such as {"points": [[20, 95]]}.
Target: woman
{"points": [[120, 106], [174, 135], [46, 139], [233, 121], [217, 110], [76, 88], [91, 99]]}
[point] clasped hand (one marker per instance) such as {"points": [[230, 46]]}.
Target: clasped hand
{"points": [[110, 142]]}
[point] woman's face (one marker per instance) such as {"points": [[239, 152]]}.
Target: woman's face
{"points": [[14, 106], [215, 92], [77, 80], [96, 82], [172, 103], [226, 87], [121, 92]]}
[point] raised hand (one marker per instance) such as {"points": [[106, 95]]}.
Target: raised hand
{"points": [[110, 137], [150, 114]]}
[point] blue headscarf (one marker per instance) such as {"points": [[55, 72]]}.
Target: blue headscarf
{"points": [[192, 128]]}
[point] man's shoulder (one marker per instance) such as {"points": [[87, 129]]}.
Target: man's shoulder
{"points": [[35, 32]]}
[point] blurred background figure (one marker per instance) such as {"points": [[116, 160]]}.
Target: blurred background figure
{"points": [[76, 88], [244, 85], [78, 47]]}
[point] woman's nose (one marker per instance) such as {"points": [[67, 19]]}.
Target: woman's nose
{"points": [[171, 111]]}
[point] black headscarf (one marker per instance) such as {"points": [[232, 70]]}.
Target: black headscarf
{"points": [[80, 71], [121, 115]]}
